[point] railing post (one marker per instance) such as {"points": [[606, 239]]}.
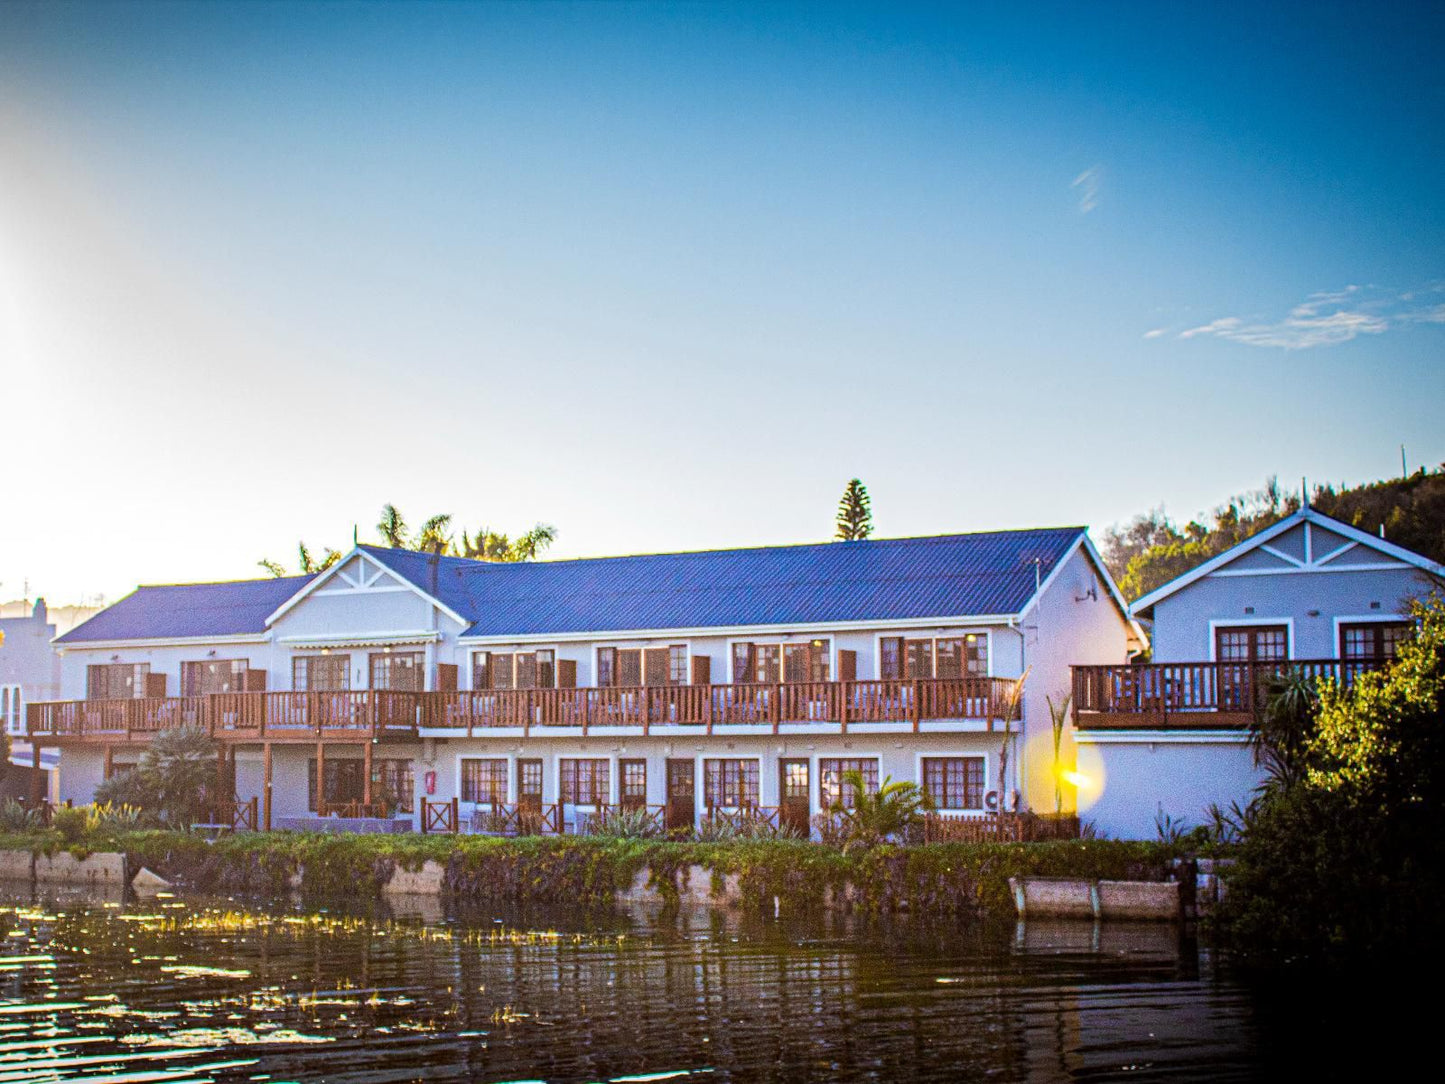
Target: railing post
{"points": [[645, 703], [423, 813], [456, 817], [776, 705], [916, 708], [707, 706]]}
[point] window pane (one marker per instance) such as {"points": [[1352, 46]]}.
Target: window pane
{"points": [[584, 781], [677, 664], [830, 778], [890, 658], [398, 670], [606, 667], [484, 779], [731, 783], [213, 676], [954, 782]]}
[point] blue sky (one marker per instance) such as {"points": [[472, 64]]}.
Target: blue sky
{"points": [[668, 276]]}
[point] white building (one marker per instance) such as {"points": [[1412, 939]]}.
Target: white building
{"points": [[680, 682]]}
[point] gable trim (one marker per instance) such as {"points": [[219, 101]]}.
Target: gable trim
{"points": [[334, 572], [1309, 517]]}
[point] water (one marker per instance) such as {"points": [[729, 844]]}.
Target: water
{"points": [[191, 989]]}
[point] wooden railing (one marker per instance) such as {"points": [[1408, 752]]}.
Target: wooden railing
{"points": [[364, 714], [999, 827], [440, 817], [763, 706], [234, 716], [237, 815], [1190, 694]]}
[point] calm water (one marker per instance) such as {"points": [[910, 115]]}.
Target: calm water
{"points": [[187, 989]]}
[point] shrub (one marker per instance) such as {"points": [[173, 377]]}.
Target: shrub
{"points": [[16, 817]]}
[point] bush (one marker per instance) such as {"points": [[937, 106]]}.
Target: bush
{"points": [[1343, 858], [17, 817]]}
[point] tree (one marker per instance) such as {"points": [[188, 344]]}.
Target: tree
{"points": [[855, 514], [888, 814], [1343, 857], [174, 778], [434, 536]]}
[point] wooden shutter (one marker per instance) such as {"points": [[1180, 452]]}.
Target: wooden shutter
{"points": [[656, 666], [566, 673], [499, 669], [702, 670], [919, 656], [254, 680], [742, 663], [155, 685], [795, 662], [847, 665], [446, 681], [527, 670], [629, 668]]}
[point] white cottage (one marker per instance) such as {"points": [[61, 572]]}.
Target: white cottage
{"points": [[1171, 738], [548, 693]]}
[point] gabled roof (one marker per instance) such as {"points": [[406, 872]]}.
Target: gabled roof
{"points": [[173, 611], [989, 573], [1143, 605]]}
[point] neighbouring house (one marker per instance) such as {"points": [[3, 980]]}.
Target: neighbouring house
{"points": [[29, 671], [1171, 738], [682, 685]]}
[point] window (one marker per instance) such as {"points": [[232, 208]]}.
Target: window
{"points": [[901, 659], [1374, 641], [484, 779], [529, 782], [606, 667], [730, 782], [584, 781], [1251, 644], [213, 676], [962, 656], [392, 782], [954, 782], [12, 709], [343, 782], [519, 670], [769, 664], [403, 671], [830, 778], [677, 664], [321, 673], [116, 681]]}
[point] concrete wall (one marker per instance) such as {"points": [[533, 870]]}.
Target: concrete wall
{"points": [[1178, 775]]}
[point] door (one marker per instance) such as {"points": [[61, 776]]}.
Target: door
{"points": [[1244, 654], [681, 794], [795, 799], [632, 786], [529, 785]]}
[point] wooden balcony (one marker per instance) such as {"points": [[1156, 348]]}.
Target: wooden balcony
{"points": [[764, 708], [1188, 695], [382, 715], [234, 717]]}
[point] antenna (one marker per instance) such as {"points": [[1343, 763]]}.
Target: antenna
{"points": [[1404, 473], [353, 536]]}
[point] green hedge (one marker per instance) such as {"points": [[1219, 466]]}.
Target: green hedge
{"points": [[960, 879]]}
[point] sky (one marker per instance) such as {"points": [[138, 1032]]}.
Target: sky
{"points": [[667, 276]]}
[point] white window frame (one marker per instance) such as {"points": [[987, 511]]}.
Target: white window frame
{"points": [[945, 754]]}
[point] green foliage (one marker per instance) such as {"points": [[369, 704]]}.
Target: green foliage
{"points": [[891, 813], [855, 513], [434, 536], [69, 823], [173, 780], [1343, 862], [628, 824], [1152, 549], [16, 817]]}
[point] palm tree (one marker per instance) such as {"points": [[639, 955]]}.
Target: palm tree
{"points": [[392, 527], [887, 814]]}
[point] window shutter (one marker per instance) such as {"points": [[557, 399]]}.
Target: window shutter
{"points": [[629, 668], [702, 670], [446, 677], [155, 685], [254, 680], [742, 663], [847, 665], [566, 673], [655, 666]]}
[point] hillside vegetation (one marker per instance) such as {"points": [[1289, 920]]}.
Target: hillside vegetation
{"points": [[1152, 549]]}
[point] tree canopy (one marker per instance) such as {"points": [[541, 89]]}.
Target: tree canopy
{"points": [[1152, 549], [435, 535], [855, 513]]}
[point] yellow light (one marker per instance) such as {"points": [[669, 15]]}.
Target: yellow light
{"points": [[1078, 779]]}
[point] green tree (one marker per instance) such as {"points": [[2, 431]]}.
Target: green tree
{"points": [[392, 527], [1343, 861], [175, 777], [889, 814], [855, 513]]}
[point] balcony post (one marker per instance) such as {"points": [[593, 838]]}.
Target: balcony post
{"points": [[320, 778], [915, 711], [776, 705], [37, 775], [643, 702], [366, 773], [266, 783]]}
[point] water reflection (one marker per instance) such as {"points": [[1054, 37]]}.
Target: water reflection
{"points": [[190, 989]]}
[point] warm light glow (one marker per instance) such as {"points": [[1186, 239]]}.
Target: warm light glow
{"points": [[1078, 779]]}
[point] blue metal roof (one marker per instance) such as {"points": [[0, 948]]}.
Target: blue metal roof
{"points": [[191, 609], [887, 579]]}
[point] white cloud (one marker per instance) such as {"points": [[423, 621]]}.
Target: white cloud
{"points": [[1330, 317], [1154, 333], [1087, 185]]}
